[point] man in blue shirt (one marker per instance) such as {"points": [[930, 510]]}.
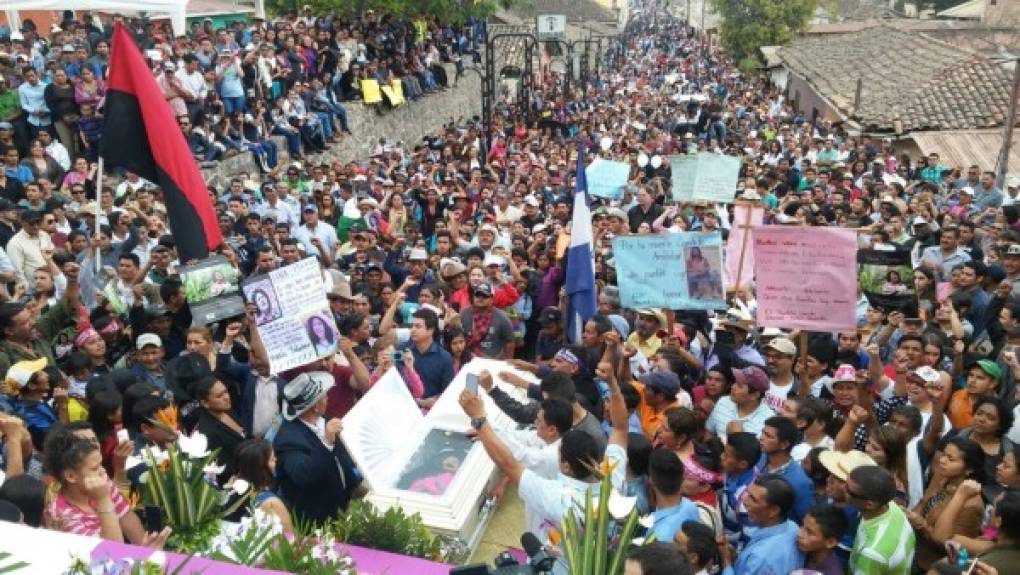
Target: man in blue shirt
{"points": [[739, 458], [672, 509], [772, 548], [777, 440], [33, 102], [432, 362]]}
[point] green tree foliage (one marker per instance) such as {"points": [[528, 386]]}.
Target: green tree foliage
{"points": [[447, 11], [750, 24]]}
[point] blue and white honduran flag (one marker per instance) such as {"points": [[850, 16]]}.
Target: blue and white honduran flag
{"points": [[581, 297]]}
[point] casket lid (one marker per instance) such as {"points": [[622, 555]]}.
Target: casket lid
{"points": [[382, 425]]}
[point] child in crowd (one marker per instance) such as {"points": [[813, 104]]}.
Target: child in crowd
{"points": [[823, 527]]}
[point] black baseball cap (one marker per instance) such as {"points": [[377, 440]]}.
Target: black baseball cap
{"points": [[550, 315], [482, 289]]}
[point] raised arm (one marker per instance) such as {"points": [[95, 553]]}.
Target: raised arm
{"points": [[386, 321], [617, 408], [494, 446]]}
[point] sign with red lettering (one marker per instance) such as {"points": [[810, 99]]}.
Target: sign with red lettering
{"points": [[806, 277]]}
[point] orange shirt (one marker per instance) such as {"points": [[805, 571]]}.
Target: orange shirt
{"points": [[960, 411], [650, 418]]}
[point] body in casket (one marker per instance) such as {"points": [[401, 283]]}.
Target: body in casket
{"points": [[426, 464]]}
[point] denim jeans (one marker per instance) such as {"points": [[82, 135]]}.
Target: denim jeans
{"points": [[233, 104], [326, 121], [293, 139], [341, 114]]}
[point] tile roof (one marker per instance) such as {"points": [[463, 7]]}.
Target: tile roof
{"points": [[926, 83]]}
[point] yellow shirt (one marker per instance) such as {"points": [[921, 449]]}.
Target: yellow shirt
{"points": [[77, 410], [648, 347]]}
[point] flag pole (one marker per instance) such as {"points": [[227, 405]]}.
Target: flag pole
{"points": [[99, 194]]}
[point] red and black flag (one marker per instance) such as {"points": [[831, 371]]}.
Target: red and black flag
{"points": [[140, 134]]}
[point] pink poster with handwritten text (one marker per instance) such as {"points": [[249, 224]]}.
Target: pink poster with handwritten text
{"points": [[806, 277]]}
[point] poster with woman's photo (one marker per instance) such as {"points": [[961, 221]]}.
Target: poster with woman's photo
{"points": [[212, 289], [321, 330], [261, 293], [704, 272], [293, 318], [674, 271], [886, 278]]}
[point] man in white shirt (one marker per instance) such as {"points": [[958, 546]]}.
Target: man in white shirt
{"points": [[272, 206], [26, 249], [539, 449], [131, 184], [194, 81], [551, 498], [1012, 195], [317, 237], [505, 211], [780, 354]]}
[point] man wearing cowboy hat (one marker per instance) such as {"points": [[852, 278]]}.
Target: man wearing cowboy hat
{"points": [[645, 337], [315, 473]]}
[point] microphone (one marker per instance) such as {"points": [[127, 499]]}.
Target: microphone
{"points": [[539, 560]]}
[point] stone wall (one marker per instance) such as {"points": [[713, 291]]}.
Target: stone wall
{"points": [[409, 123]]}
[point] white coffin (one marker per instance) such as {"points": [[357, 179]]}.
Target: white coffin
{"points": [[393, 442]]}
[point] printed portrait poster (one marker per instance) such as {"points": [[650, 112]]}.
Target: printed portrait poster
{"points": [[886, 278], [672, 271], [212, 289], [293, 316]]}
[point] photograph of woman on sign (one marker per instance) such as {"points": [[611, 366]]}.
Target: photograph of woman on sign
{"points": [[322, 336], [703, 279], [893, 284], [262, 295], [219, 284]]}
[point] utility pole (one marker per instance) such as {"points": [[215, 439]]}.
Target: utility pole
{"points": [[1007, 138]]}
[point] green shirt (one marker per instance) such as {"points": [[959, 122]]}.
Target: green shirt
{"points": [[59, 318], [10, 108], [884, 545]]}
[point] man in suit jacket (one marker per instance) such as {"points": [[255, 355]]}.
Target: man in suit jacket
{"points": [[316, 476]]}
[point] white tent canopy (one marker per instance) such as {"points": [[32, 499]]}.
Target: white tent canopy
{"points": [[176, 8]]}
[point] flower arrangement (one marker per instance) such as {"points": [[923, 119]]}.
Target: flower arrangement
{"points": [[259, 541], [154, 565], [591, 543], [179, 483]]}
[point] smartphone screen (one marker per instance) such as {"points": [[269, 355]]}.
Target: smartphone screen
{"points": [[471, 383]]}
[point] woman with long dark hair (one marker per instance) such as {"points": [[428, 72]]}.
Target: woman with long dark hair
{"points": [[951, 505], [218, 422], [255, 462]]}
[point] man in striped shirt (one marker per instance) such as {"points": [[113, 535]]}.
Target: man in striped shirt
{"points": [[885, 541]]}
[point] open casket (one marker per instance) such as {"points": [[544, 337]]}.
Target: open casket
{"points": [[426, 464]]}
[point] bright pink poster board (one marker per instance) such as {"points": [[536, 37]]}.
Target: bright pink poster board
{"points": [[806, 277]]}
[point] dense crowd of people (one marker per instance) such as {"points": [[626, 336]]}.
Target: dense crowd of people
{"points": [[885, 449]]}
